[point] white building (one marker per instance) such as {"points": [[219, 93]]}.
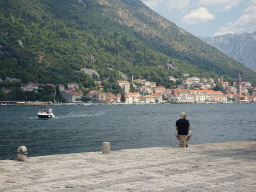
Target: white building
{"points": [[193, 81], [32, 86], [145, 90], [133, 97], [97, 97], [180, 96], [152, 84], [146, 83], [148, 99], [72, 86], [172, 78], [158, 97], [61, 88], [159, 89], [125, 85], [219, 98], [201, 96], [72, 96]]}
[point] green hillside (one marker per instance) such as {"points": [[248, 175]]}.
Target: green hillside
{"points": [[50, 41]]}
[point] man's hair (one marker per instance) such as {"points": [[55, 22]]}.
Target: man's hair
{"points": [[182, 114]]}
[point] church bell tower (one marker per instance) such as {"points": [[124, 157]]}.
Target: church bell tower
{"points": [[239, 86]]}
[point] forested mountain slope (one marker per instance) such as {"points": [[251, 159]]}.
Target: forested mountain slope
{"points": [[50, 41]]}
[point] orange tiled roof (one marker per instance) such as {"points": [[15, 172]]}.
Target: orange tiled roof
{"points": [[218, 96], [122, 81], [207, 91], [180, 90], [147, 96], [75, 84], [73, 93], [156, 94]]}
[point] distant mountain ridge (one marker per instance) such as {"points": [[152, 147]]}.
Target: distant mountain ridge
{"points": [[242, 47]]}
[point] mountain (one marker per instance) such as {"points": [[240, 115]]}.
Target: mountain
{"points": [[53, 41], [242, 47]]}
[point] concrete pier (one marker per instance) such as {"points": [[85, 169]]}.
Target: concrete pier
{"points": [[229, 166]]}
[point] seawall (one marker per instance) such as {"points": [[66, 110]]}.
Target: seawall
{"points": [[226, 166]]}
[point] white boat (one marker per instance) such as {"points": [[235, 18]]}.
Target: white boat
{"points": [[45, 113]]}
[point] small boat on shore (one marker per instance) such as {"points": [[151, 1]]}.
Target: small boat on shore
{"points": [[45, 113]]}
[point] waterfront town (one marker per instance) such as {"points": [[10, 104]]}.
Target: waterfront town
{"points": [[192, 90], [149, 92]]}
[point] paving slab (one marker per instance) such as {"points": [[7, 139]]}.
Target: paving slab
{"points": [[229, 166]]}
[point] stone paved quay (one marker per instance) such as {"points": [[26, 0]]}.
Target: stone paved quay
{"points": [[229, 166]]}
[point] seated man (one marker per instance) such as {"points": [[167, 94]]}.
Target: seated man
{"points": [[183, 130]]}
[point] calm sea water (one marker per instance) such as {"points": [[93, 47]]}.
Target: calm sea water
{"points": [[84, 128]]}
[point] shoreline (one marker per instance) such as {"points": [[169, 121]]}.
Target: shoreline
{"points": [[15, 103], [228, 166]]}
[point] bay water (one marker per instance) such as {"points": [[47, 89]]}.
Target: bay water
{"points": [[83, 128]]}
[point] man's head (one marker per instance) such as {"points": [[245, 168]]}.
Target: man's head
{"points": [[183, 115]]}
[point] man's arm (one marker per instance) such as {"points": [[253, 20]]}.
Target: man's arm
{"points": [[177, 128]]}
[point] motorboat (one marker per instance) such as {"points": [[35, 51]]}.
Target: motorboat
{"points": [[45, 113]]}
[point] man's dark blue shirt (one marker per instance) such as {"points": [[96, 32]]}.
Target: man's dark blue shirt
{"points": [[182, 125]]}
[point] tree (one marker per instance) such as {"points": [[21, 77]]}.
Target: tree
{"points": [[30, 95], [2, 96], [122, 98], [250, 91], [57, 91], [132, 88], [85, 99], [179, 82], [219, 87]]}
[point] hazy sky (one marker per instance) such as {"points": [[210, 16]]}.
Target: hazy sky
{"points": [[206, 18]]}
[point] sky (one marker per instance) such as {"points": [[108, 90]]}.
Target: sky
{"points": [[207, 18]]}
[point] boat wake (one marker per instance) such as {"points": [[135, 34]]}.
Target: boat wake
{"points": [[82, 114]]}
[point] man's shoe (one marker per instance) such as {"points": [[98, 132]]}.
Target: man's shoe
{"points": [[186, 145]]}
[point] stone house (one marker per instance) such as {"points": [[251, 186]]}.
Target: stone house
{"points": [[97, 97], [72, 86], [72, 96], [148, 98], [32, 86], [219, 98], [152, 84], [128, 100], [180, 96], [224, 84], [206, 95], [111, 98], [146, 83], [61, 88], [125, 85], [12, 79], [145, 90], [172, 78], [242, 98], [135, 97], [158, 97], [159, 89]]}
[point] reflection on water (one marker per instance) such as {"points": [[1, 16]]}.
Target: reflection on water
{"points": [[84, 128]]}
